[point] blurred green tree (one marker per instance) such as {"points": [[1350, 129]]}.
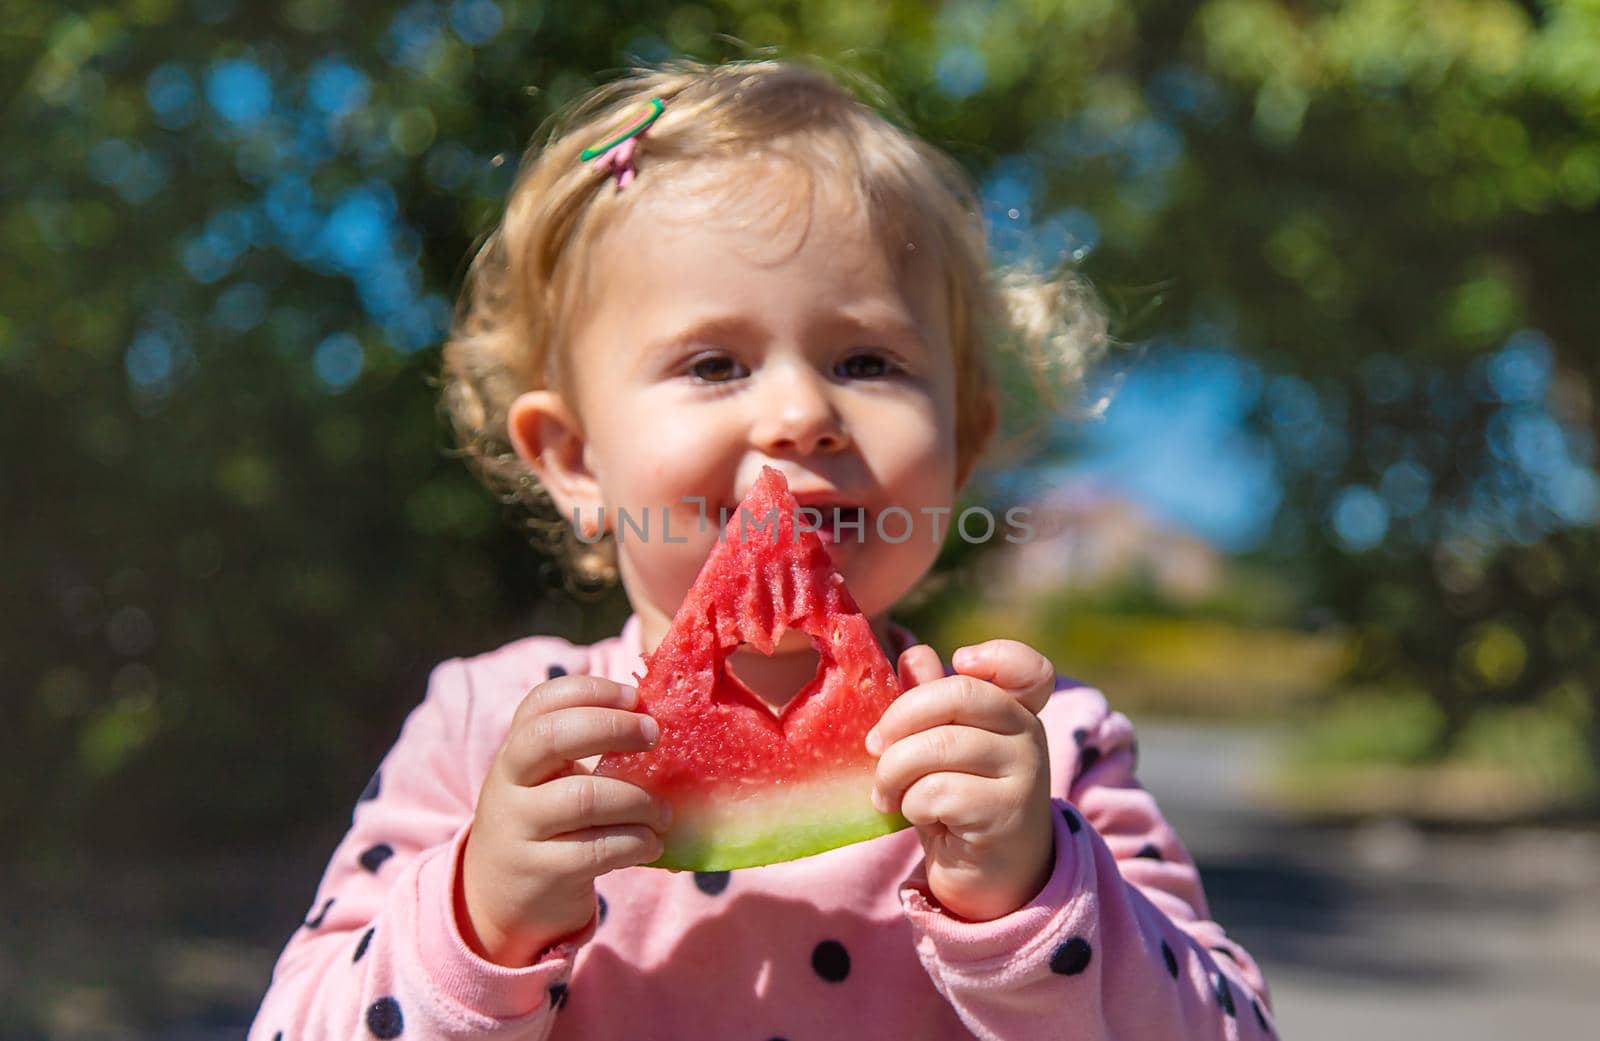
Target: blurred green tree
{"points": [[1411, 218]]}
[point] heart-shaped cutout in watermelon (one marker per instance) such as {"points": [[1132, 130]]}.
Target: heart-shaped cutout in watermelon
{"points": [[748, 787]]}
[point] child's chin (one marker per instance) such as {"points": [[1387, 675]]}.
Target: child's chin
{"points": [[842, 544], [794, 641]]}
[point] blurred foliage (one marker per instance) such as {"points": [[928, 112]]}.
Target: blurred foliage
{"points": [[1373, 754], [1167, 665], [237, 539]]}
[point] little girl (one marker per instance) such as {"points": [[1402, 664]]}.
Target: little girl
{"points": [[708, 271]]}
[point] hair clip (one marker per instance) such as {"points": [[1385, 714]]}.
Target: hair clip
{"points": [[617, 153]]}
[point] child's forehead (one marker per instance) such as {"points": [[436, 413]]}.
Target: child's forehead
{"points": [[767, 208], [713, 236], [763, 193]]}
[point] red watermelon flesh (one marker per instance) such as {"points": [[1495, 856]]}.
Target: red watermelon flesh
{"points": [[748, 787]]}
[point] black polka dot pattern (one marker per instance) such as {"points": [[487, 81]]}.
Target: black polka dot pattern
{"points": [[558, 996], [1087, 758], [1261, 1017], [278, 1036], [316, 921], [602, 906], [1224, 994], [372, 859], [1170, 958], [1071, 957], [370, 792], [1073, 824], [831, 961], [712, 883], [361, 948], [554, 671], [1081, 736], [384, 1019], [1149, 852]]}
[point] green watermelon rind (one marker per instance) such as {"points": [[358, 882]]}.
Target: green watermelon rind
{"points": [[741, 826], [687, 852]]}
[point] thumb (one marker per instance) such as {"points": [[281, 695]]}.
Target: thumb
{"points": [[919, 665]]}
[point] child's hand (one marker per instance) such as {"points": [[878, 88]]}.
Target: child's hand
{"points": [[965, 759], [545, 827]]}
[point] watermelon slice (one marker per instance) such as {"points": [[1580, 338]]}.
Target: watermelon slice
{"points": [[746, 786]]}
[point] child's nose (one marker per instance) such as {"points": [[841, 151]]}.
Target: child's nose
{"points": [[796, 417]]}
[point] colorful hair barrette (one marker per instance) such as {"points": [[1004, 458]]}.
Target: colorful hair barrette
{"points": [[617, 153]]}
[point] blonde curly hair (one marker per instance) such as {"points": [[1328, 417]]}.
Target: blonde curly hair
{"points": [[524, 283]]}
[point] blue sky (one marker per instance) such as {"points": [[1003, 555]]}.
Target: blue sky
{"points": [[1172, 438]]}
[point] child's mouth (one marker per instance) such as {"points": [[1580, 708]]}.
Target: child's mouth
{"points": [[834, 523], [838, 524]]}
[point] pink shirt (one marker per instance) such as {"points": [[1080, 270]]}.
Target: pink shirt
{"points": [[845, 944]]}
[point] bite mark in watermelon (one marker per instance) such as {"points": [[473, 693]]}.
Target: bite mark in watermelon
{"points": [[748, 787]]}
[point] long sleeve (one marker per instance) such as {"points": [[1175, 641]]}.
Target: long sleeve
{"points": [[1119, 943], [380, 953]]}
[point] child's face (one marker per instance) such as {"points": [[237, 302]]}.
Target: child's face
{"points": [[728, 331]]}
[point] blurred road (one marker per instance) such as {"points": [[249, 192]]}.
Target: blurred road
{"points": [[1383, 931], [1375, 932]]}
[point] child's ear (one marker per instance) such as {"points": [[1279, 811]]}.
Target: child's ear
{"points": [[548, 437], [988, 421]]}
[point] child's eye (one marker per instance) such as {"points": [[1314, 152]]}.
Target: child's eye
{"points": [[868, 365], [716, 368]]}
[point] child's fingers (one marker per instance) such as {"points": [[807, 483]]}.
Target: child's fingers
{"points": [[567, 691], [545, 744], [949, 699], [1012, 666], [945, 749], [579, 801], [957, 801], [594, 851], [919, 665]]}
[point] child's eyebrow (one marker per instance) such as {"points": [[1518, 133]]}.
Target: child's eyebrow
{"points": [[715, 328], [897, 329]]}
